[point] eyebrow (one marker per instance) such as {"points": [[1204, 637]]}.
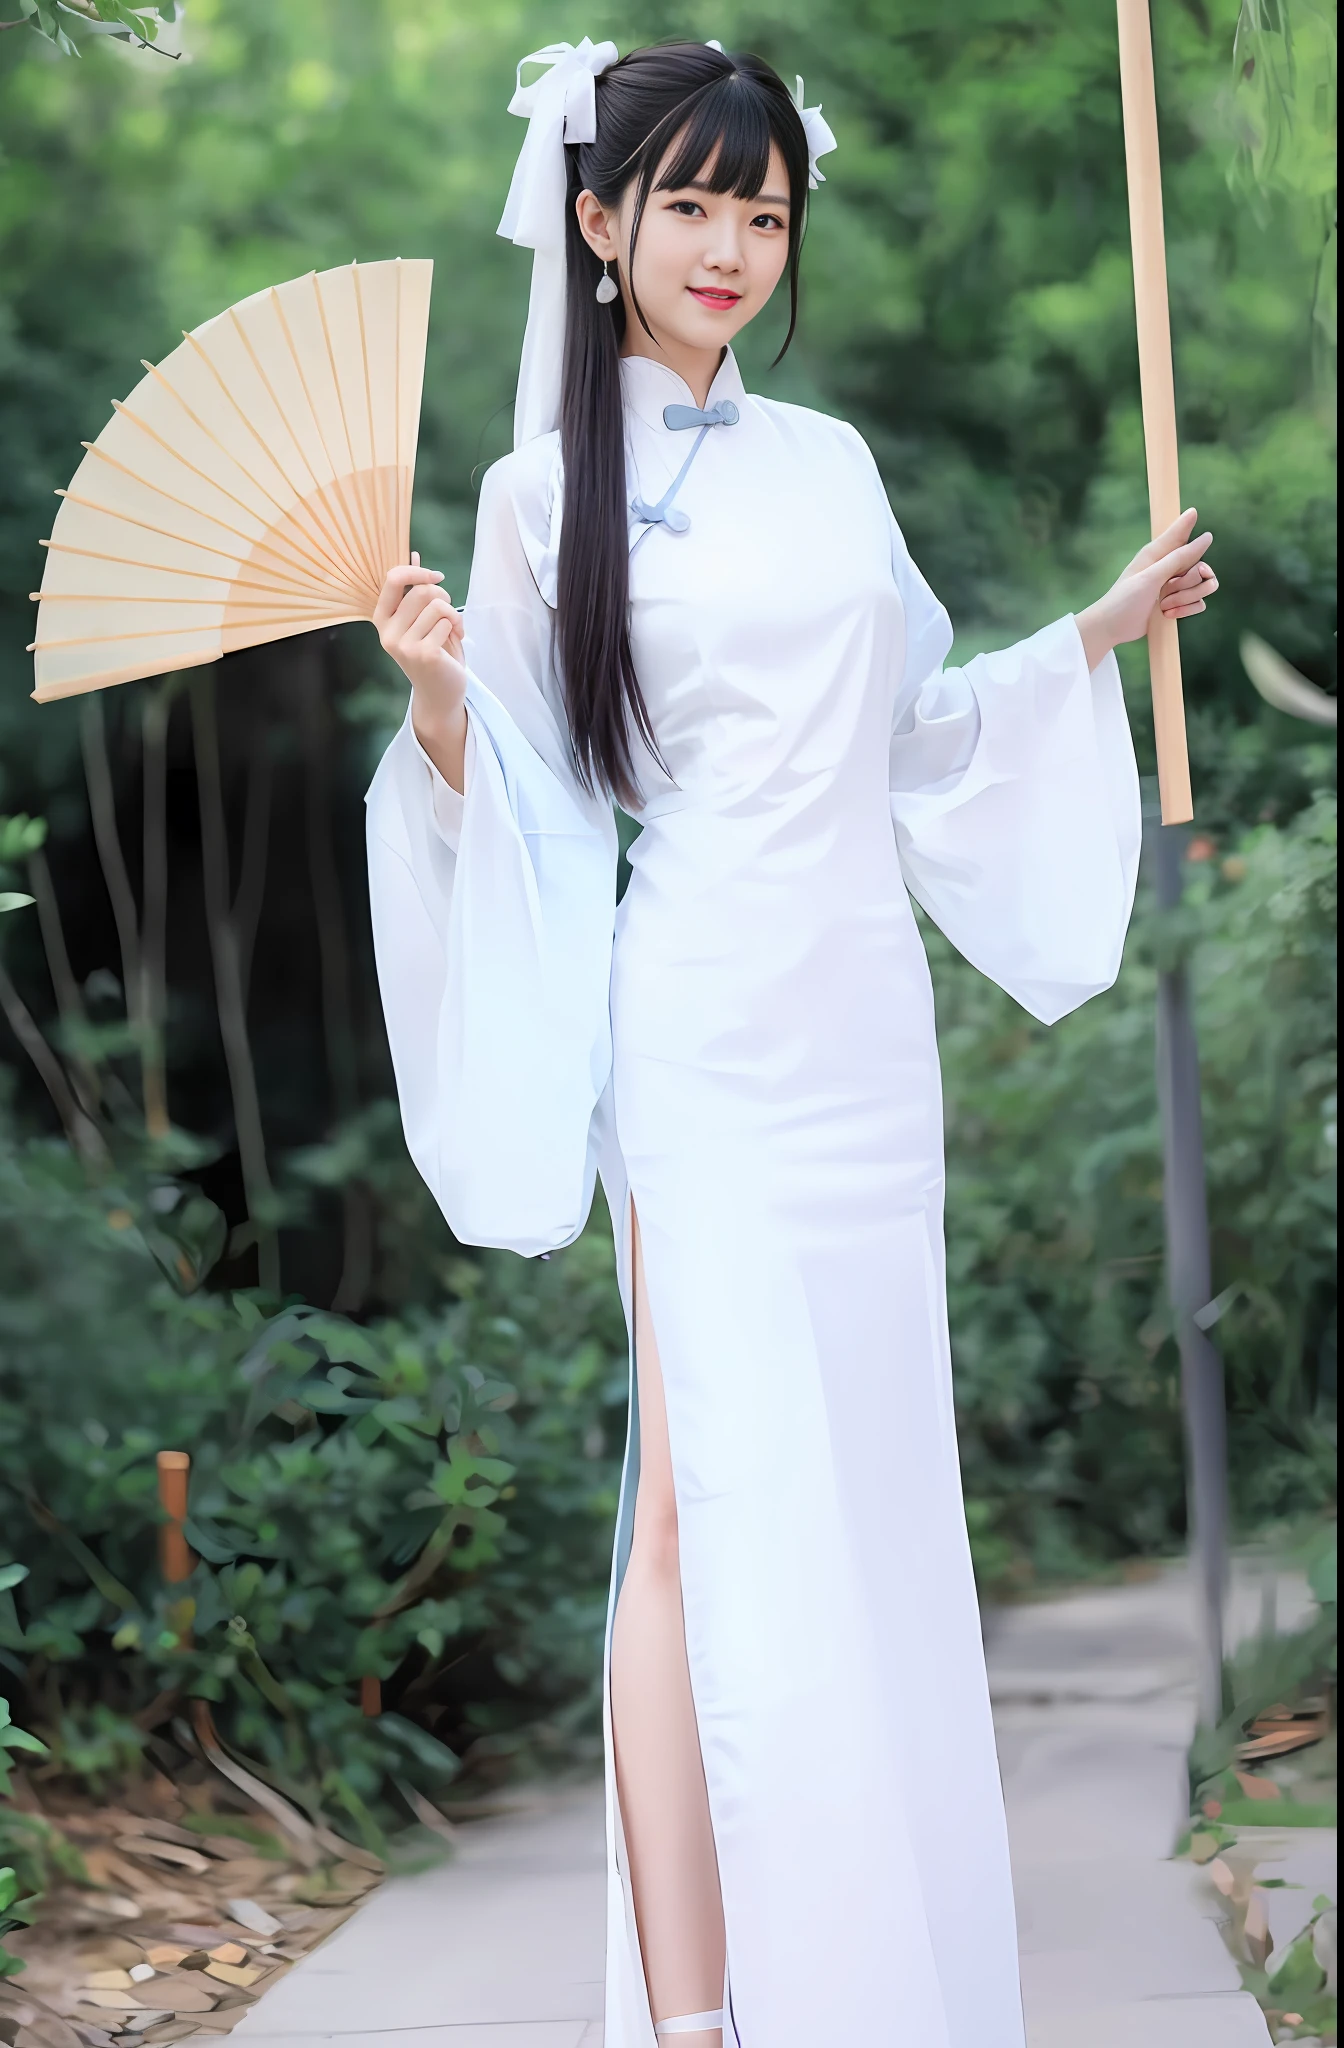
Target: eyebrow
{"points": [[761, 198]]}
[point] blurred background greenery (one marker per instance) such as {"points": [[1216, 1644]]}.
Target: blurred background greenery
{"points": [[407, 1454]]}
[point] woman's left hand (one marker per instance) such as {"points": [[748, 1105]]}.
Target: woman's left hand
{"points": [[1170, 574]]}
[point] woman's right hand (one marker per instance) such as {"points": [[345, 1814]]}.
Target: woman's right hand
{"points": [[422, 632]]}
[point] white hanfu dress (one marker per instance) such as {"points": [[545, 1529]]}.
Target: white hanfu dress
{"points": [[747, 1048]]}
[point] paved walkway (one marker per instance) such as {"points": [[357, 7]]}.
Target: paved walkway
{"points": [[1093, 1706], [502, 1947]]}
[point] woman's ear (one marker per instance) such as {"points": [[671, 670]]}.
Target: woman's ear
{"points": [[595, 225]]}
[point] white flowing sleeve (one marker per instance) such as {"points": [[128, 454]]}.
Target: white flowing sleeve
{"points": [[493, 916], [1015, 798]]}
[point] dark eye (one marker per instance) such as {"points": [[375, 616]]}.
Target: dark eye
{"points": [[689, 207], [767, 220]]}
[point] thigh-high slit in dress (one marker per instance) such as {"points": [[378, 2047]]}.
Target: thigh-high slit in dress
{"points": [[747, 1050]]}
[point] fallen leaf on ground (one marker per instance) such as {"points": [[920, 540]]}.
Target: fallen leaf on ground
{"points": [[110, 1952], [177, 1994], [204, 1947], [42, 2026], [114, 1905], [249, 1914], [1257, 1788], [229, 1973], [165, 1852], [163, 1831], [1259, 1940]]}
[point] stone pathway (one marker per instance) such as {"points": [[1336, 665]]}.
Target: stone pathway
{"points": [[502, 1947], [1093, 1707]]}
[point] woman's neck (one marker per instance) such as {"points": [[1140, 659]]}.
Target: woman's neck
{"points": [[696, 367]]}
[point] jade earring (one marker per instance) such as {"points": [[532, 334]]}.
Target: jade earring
{"points": [[607, 287]]}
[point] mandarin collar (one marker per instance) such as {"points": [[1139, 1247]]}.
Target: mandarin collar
{"points": [[648, 385]]}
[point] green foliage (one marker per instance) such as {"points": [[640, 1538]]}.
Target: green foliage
{"points": [[18, 837], [1065, 1363], [1296, 1981], [37, 1851], [53, 19], [1269, 1668], [14, 1912], [352, 1506], [967, 301], [95, 1746], [13, 1739]]}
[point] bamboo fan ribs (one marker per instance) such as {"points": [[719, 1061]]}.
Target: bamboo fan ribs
{"points": [[255, 485]]}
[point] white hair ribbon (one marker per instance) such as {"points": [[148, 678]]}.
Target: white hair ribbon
{"points": [[820, 140], [559, 107]]}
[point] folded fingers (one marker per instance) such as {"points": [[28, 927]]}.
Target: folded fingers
{"points": [[398, 584], [1184, 595], [434, 612]]}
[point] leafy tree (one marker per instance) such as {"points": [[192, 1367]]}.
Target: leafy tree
{"points": [[967, 301]]}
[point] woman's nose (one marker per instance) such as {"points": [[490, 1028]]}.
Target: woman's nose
{"points": [[725, 254]]}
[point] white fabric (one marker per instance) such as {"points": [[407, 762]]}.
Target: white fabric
{"points": [[690, 2023], [559, 107], [820, 139], [765, 1082]]}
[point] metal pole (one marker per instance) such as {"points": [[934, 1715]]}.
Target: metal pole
{"points": [[1190, 1284]]}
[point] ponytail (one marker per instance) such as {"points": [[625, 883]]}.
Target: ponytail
{"points": [[602, 693]]}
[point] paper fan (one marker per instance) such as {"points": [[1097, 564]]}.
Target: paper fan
{"points": [[256, 484]]}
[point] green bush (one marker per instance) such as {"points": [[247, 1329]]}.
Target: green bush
{"points": [[355, 1505], [15, 1908], [1065, 1365]]}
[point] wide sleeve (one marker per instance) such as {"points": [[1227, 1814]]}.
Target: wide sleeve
{"points": [[493, 917], [1015, 799]]}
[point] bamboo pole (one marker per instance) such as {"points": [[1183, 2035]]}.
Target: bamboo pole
{"points": [[1143, 165]]}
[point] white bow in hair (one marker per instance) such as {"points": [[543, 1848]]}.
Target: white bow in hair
{"points": [[559, 107], [820, 140]]}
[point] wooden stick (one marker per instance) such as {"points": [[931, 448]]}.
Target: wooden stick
{"points": [[175, 1558], [1144, 168]]}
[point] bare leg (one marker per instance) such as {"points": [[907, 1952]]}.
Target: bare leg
{"points": [[659, 1772]]}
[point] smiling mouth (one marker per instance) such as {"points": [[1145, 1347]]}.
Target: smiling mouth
{"points": [[721, 301]]}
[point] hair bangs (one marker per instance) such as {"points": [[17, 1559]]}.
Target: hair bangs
{"points": [[725, 144]]}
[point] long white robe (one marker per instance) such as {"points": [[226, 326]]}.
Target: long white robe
{"points": [[752, 1055]]}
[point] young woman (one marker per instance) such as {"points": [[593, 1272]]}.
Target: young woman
{"points": [[696, 603]]}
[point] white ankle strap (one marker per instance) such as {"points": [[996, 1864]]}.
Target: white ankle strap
{"points": [[691, 2023]]}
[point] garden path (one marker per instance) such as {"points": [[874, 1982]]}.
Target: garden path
{"points": [[502, 1947]]}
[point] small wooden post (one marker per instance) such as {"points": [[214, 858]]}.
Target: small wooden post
{"points": [[371, 1697], [1143, 165], [175, 1558]]}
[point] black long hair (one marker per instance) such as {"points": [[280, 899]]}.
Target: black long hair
{"points": [[713, 106]]}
